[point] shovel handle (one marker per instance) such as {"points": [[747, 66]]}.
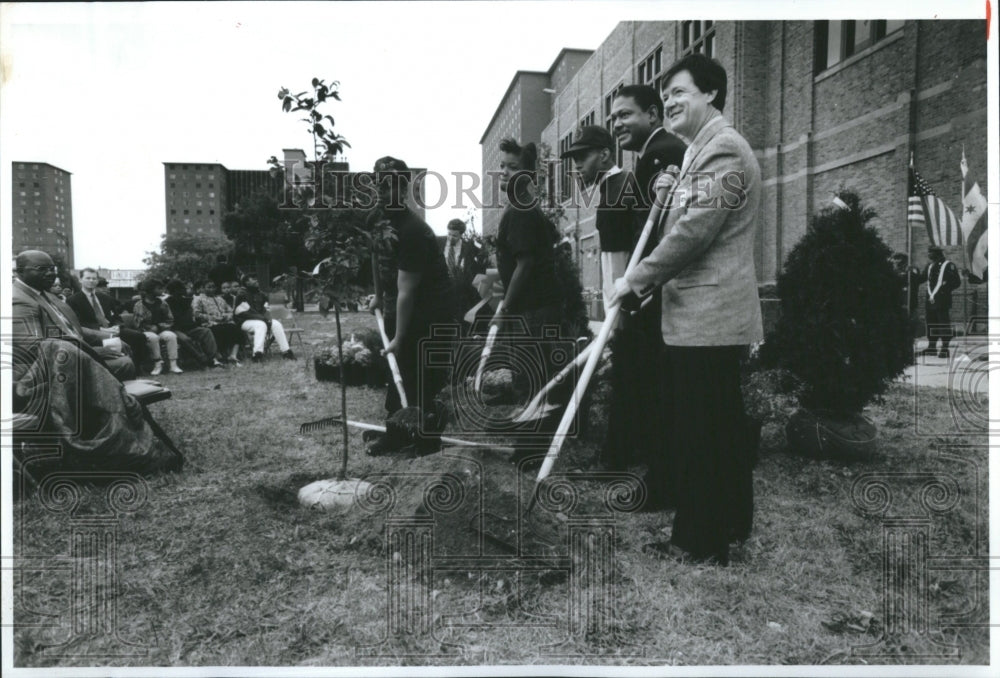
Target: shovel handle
{"points": [[491, 338], [393, 364], [610, 321], [531, 410]]}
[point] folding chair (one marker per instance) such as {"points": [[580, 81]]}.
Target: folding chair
{"points": [[286, 317]]}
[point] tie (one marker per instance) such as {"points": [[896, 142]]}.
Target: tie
{"points": [[61, 320], [452, 259], [101, 318]]}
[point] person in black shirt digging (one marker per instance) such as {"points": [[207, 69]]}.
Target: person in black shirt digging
{"points": [[415, 295]]}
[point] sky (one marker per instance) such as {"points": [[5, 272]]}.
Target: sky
{"points": [[109, 92]]}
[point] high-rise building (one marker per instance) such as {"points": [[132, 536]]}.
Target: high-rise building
{"points": [[42, 209], [198, 195], [195, 197]]}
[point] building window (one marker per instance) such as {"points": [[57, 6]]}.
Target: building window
{"points": [[587, 120], [186, 212], [211, 185], [173, 185], [198, 185], [211, 212], [565, 191], [837, 41], [649, 69], [197, 211], [698, 36], [173, 211]]}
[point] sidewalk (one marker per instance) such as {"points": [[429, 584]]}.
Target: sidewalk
{"points": [[965, 369]]}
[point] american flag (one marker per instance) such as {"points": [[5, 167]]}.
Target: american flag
{"points": [[928, 209]]}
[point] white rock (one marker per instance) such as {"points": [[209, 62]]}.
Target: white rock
{"points": [[329, 494]]}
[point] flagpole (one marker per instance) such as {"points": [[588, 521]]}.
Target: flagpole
{"points": [[965, 255], [909, 240]]}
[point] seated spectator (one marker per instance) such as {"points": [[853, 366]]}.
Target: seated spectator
{"points": [[211, 310], [252, 312], [96, 310], [229, 291], [37, 315], [191, 336], [56, 290], [100, 426], [152, 317]]}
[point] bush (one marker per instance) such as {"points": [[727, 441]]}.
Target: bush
{"points": [[842, 330], [363, 362]]}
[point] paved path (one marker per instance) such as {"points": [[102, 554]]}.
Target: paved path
{"points": [[963, 370]]}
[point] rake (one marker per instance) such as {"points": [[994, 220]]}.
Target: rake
{"points": [[333, 422]]}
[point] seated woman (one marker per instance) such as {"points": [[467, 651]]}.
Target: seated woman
{"points": [[152, 317], [73, 396], [212, 311], [192, 337]]}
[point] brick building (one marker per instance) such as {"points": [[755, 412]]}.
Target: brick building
{"points": [[42, 209], [524, 111], [825, 105]]}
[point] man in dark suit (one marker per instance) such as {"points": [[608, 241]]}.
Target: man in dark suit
{"points": [[98, 311], [637, 119], [465, 261], [941, 277], [637, 122], [37, 315], [704, 265]]}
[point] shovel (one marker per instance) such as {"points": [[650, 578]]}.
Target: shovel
{"points": [[491, 338], [537, 408], [610, 321], [391, 358]]}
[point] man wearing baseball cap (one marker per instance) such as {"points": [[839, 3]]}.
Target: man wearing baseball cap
{"points": [[631, 431], [415, 294]]}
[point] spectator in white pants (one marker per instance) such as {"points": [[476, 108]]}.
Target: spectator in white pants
{"points": [[252, 313]]}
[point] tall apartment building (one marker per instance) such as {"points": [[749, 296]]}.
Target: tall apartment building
{"points": [[198, 195], [826, 105], [524, 111], [42, 209]]}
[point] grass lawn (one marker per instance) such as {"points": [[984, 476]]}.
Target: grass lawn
{"points": [[220, 566]]}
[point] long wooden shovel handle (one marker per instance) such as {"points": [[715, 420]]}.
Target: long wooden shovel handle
{"points": [[491, 338], [532, 409], [391, 357], [602, 338]]}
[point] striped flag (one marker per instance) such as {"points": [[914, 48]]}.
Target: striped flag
{"points": [[973, 221], [927, 209]]}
